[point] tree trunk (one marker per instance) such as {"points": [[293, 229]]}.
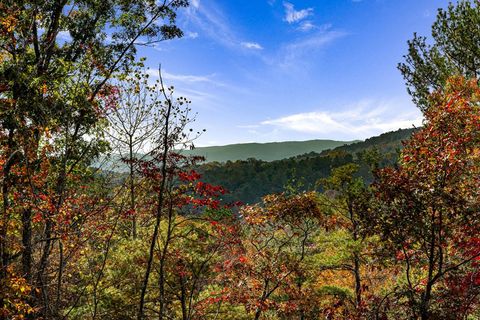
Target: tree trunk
{"points": [[27, 244], [356, 260], [132, 190], [358, 281], [163, 259], [10, 159], [160, 203]]}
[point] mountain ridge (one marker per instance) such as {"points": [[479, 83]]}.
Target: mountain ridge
{"points": [[249, 180], [268, 151]]}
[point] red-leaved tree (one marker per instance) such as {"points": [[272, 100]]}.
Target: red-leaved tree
{"points": [[430, 207]]}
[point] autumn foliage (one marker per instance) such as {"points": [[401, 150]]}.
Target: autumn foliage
{"points": [[430, 205], [83, 239], [405, 247]]}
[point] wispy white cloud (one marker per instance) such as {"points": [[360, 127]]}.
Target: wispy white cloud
{"points": [[205, 91], [195, 3], [292, 54], [200, 98], [292, 15], [306, 26], [363, 120], [252, 45], [213, 24], [191, 35], [186, 78]]}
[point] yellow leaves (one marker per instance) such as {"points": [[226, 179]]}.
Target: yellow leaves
{"points": [[339, 278], [281, 206], [14, 293], [44, 88], [9, 23], [47, 133], [253, 215], [474, 152], [4, 56], [19, 285]]}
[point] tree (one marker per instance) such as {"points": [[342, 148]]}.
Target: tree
{"points": [[429, 212], [189, 244], [264, 272], [133, 124], [455, 51], [348, 197], [56, 59], [160, 172]]}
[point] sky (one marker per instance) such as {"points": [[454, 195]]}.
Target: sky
{"points": [[272, 70]]}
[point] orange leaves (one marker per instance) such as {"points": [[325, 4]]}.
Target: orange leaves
{"points": [[44, 89], [37, 217], [8, 23], [243, 259], [444, 147], [14, 292], [264, 267], [430, 203], [280, 206], [4, 87]]}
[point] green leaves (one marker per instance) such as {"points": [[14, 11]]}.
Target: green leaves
{"points": [[455, 51]]}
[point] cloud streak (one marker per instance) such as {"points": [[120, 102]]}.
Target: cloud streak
{"points": [[195, 3], [306, 26], [213, 23], [292, 15], [366, 119], [252, 45], [191, 35], [293, 53], [186, 78]]}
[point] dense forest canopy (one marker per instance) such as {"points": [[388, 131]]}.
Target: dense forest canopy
{"points": [[248, 181], [379, 229]]}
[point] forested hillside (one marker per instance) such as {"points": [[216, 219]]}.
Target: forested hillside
{"points": [[260, 151], [248, 181], [388, 143], [263, 151]]}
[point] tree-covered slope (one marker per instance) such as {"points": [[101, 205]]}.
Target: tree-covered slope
{"points": [[386, 143], [249, 180], [264, 151]]}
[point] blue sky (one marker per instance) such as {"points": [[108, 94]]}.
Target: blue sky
{"points": [[272, 70]]}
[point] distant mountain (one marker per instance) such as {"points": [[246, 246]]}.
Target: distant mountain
{"points": [[389, 142], [249, 180], [264, 151]]}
